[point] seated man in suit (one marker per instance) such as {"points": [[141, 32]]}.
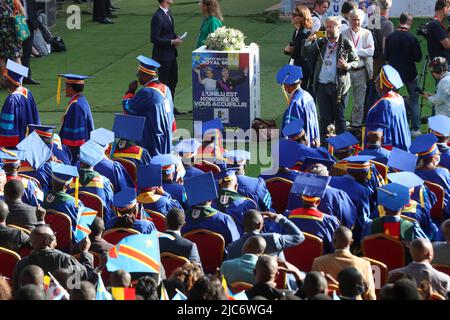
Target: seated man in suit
{"points": [[421, 270], [342, 258], [11, 238], [98, 244], [177, 244], [242, 269]]}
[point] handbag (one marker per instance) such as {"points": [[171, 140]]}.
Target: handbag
{"points": [[265, 130]]}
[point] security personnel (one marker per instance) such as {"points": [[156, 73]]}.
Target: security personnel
{"points": [[187, 149], [57, 198], [19, 109], [128, 209], [426, 149], [300, 104], [151, 195], [92, 181], [440, 126], [288, 155], [393, 197], [128, 130], [60, 152], [390, 110], [154, 103], [201, 191], [308, 218], [113, 170], [230, 201], [374, 143], [253, 188], [77, 122]]}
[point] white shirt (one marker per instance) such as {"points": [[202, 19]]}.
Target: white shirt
{"points": [[210, 84], [363, 43], [317, 23], [166, 11], [328, 72], [441, 100]]}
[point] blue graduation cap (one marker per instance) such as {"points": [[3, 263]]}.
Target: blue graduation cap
{"points": [[375, 128], [36, 152], [45, 132], [11, 156], [294, 130], [289, 74], [128, 127], [187, 148], [63, 173], [74, 78], [91, 153], [402, 160], [102, 136], [393, 196], [166, 161], [359, 163], [200, 189], [288, 153], [440, 125], [310, 161], [310, 186], [226, 175], [149, 176], [342, 142], [424, 146], [125, 199], [148, 65], [238, 157], [15, 72], [389, 77], [407, 179]]}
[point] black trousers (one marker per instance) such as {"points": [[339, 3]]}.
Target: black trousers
{"points": [[100, 9], [27, 47], [168, 74], [330, 112]]}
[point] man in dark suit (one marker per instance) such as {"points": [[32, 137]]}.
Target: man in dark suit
{"points": [[101, 12], [20, 214], [165, 42], [10, 238], [98, 244], [179, 245], [32, 22]]}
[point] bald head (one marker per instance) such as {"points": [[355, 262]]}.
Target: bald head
{"points": [[266, 269], [342, 238], [445, 227], [32, 274], [314, 283], [42, 237], [120, 278], [253, 221], [254, 245], [85, 291], [421, 250], [4, 211]]}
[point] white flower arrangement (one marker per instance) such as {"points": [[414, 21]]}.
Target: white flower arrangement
{"points": [[225, 39]]}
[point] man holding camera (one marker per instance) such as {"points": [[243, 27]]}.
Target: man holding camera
{"points": [[440, 100], [437, 34]]}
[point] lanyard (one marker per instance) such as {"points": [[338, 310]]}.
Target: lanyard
{"points": [[331, 49], [353, 39]]}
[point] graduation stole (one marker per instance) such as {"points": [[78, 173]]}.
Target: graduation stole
{"points": [[202, 212], [129, 150], [402, 230], [148, 197], [56, 198], [157, 86], [306, 213], [226, 197], [387, 96], [89, 178], [71, 101], [22, 91]]}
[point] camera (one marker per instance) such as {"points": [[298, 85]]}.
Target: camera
{"points": [[423, 30]]}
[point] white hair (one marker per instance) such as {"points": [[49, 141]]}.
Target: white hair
{"points": [[335, 19], [357, 13]]}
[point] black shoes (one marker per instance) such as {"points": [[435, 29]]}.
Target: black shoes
{"points": [[112, 15], [30, 81], [105, 21]]}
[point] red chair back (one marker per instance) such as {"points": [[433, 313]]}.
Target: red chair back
{"points": [[158, 219], [130, 167], [62, 226], [303, 254], [8, 260], [114, 235], [442, 268], [437, 210], [210, 246], [92, 201], [171, 261], [207, 166], [385, 249], [239, 286], [380, 274], [279, 189]]}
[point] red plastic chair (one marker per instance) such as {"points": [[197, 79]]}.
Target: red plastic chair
{"points": [[210, 246], [303, 254], [381, 168], [114, 235], [380, 274], [8, 261], [207, 166], [240, 286], [442, 268], [436, 211], [62, 226], [130, 167], [92, 201], [385, 249], [158, 219], [171, 261], [279, 189]]}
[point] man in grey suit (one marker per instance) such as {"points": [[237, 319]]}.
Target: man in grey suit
{"points": [[178, 245], [275, 242], [11, 238], [421, 270]]}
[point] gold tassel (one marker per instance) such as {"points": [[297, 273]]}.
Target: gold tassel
{"points": [[363, 135], [58, 91], [76, 192], [422, 200], [285, 94]]}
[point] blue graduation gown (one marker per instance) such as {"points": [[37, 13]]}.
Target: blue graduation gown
{"points": [[211, 219], [390, 110], [381, 154], [77, 122], [143, 226], [62, 202], [32, 195], [424, 197], [159, 203], [414, 210], [441, 177], [334, 202], [116, 173], [302, 106], [176, 190], [43, 174], [191, 171], [314, 222], [136, 154], [94, 182], [154, 102], [18, 111], [255, 189], [60, 151], [320, 153], [445, 155]]}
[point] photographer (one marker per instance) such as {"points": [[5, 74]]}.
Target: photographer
{"points": [[441, 100], [437, 34]]}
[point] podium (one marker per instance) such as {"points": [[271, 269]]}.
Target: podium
{"points": [[226, 85]]}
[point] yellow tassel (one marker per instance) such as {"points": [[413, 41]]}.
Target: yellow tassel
{"points": [[58, 91], [369, 175], [422, 200], [8, 152], [285, 94], [363, 135], [76, 192]]}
